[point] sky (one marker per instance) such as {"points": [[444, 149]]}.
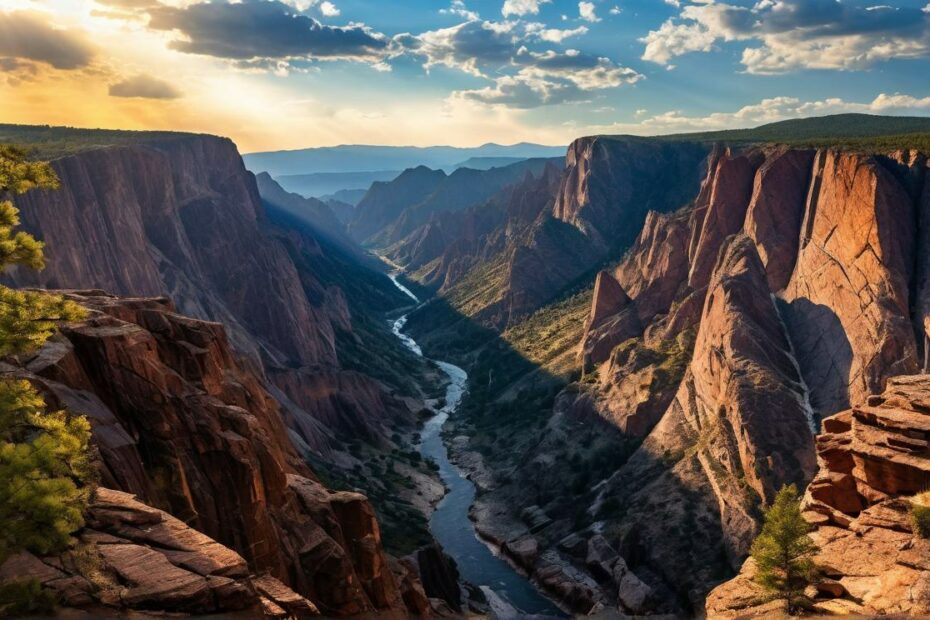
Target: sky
{"points": [[283, 74]]}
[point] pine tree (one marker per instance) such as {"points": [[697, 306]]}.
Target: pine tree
{"points": [[784, 552], [45, 471]]}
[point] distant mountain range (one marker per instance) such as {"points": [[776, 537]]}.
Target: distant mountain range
{"points": [[363, 158], [321, 184]]}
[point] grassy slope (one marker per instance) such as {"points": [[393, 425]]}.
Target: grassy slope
{"points": [[860, 132]]}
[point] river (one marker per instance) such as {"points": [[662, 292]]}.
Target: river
{"points": [[449, 523]]}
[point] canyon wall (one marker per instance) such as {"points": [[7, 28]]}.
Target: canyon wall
{"points": [[181, 217], [185, 433], [789, 286]]}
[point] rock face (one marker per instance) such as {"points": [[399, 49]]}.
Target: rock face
{"points": [[611, 183], [132, 556], [873, 460], [183, 426], [849, 294], [611, 322], [181, 217], [789, 288]]}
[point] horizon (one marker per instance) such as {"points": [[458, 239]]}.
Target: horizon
{"points": [[290, 74], [465, 146]]}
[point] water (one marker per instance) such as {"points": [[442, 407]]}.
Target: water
{"points": [[449, 523]]}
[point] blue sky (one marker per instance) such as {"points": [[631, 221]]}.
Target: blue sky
{"points": [[289, 73]]}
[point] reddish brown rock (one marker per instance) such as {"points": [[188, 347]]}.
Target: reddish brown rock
{"points": [[735, 431], [873, 460], [132, 556], [609, 299], [849, 298], [730, 191], [182, 425], [773, 220], [656, 267]]}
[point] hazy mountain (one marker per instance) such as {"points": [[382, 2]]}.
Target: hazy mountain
{"points": [[363, 158], [320, 184]]}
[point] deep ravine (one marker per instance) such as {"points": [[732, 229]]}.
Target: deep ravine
{"points": [[449, 523]]}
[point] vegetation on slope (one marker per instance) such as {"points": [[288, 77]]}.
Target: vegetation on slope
{"points": [[45, 468], [857, 132], [48, 142]]}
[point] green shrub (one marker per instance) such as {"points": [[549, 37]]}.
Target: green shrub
{"points": [[920, 514], [25, 597]]}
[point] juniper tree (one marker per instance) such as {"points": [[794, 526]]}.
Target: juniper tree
{"points": [[784, 551], [44, 463]]}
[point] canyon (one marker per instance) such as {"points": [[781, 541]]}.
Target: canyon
{"points": [[640, 345]]}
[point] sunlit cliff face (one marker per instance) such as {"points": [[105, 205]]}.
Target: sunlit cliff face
{"points": [[290, 73]]}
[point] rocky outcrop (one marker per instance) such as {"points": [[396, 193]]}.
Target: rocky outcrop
{"points": [[131, 556], [611, 322], [873, 461], [848, 298], [730, 184], [181, 424], [776, 209], [736, 430], [611, 183]]}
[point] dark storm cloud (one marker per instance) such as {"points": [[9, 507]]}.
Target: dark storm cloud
{"points": [[262, 29], [26, 36]]}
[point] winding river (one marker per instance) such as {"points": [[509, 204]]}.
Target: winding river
{"points": [[449, 523]]}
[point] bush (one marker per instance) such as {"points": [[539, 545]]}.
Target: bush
{"points": [[25, 597], [920, 514]]}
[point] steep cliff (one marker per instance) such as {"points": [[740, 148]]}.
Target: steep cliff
{"points": [[180, 424], [182, 218], [558, 232], [788, 287]]}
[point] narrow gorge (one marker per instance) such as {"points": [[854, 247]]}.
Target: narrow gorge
{"points": [[554, 387]]}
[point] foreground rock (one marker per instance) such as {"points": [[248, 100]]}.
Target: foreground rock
{"points": [[132, 556], [873, 460], [180, 424]]}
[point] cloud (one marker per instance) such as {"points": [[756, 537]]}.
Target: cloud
{"points": [[458, 8], [328, 9], [615, 10], [474, 47], [257, 29], [583, 70], [28, 36], [145, 87], [784, 35], [522, 7], [550, 78], [553, 35], [586, 12]]}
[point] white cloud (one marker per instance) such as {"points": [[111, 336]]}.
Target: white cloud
{"points": [[675, 3], [586, 12], [672, 40], [615, 10], [784, 35], [328, 9], [522, 7], [553, 35], [549, 78], [458, 8]]}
